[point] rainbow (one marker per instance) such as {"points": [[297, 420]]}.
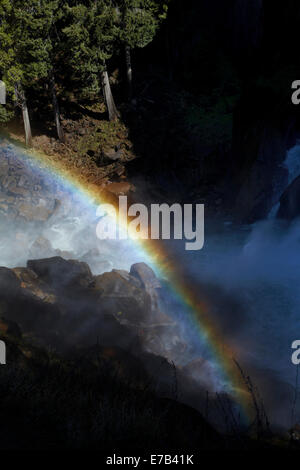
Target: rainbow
{"points": [[156, 255]]}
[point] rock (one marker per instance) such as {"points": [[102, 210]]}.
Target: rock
{"points": [[9, 327], [81, 131], [31, 212], [113, 154], [4, 198], [9, 283], [16, 190], [128, 277], [24, 194], [30, 281], [119, 189], [290, 201], [295, 432], [145, 275], [122, 298], [19, 303], [59, 273], [149, 281]]}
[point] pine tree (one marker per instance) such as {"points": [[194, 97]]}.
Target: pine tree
{"points": [[25, 50], [138, 22], [6, 42], [54, 14], [90, 35]]}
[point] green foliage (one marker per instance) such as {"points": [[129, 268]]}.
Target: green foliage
{"points": [[5, 114], [88, 34], [72, 39], [139, 20], [25, 39]]}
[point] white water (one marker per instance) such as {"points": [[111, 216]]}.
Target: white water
{"points": [[250, 276], [292, 164], [70, 235]]}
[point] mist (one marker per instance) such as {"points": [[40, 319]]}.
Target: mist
{"points": [[248, 276]]}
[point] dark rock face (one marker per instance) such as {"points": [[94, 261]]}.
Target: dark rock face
{"points": [[290, 201], [59, 272]]}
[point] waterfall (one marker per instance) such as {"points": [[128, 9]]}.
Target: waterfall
{"points": [[292, 164]]}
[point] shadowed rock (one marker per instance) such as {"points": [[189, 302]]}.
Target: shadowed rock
{"points": [[60, 273]]}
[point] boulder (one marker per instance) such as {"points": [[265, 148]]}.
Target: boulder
{"points": [[112, 154], [122, 298], [61, 273], [20, 303], [128, 277], [35, 286], [145, 275], [149, 281]]}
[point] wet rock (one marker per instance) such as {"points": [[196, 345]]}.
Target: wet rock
{"points": [[31, 212], [123, 299], [30, 281], [149, 281], [23, 193], [128, 277], [60, 273], [4, 198], [145, 274], [62, 304], [21, 305]]}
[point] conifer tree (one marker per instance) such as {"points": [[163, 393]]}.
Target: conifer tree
{"points": [[25, 51], [138, 22], [6, 41], [54, 13], [90, 35]]}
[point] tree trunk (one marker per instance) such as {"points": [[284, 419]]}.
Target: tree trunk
{"points": [[59, 129], [27, 126], [20, 95], [108, 97], [128, 70]]}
